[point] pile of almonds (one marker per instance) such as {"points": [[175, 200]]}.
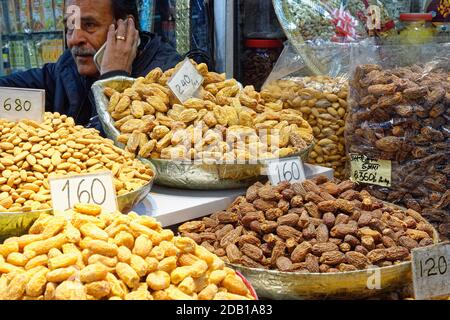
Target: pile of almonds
{"points": [[31, 152], [314, 226]]}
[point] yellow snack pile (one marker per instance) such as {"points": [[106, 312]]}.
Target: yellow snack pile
{"points": [[84, 254]]}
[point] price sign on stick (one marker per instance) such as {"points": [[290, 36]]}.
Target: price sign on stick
{"points": [[290, 170], [431, 271], [186, 81], [371, 171], [95, 188], [19, 104]]}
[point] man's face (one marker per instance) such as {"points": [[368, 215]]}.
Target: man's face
{"points": [[95, 18]]}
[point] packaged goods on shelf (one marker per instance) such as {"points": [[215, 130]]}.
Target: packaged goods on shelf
{"points": [[17, 55], [25, 20], [224, 124], [3, 24], [13, 16], [314, 226], [58, 6], [38, 17], [33, 152], [399, 112], [32, 54], [86, 254], [49, 16]]}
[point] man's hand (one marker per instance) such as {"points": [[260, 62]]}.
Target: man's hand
{"points": [[121, 47]]}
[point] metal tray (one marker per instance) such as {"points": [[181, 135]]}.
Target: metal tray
{"points": [[17, 224], [185, 174], [273, 284]]}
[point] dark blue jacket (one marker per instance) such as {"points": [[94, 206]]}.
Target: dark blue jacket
{"points": [[67, 92]]}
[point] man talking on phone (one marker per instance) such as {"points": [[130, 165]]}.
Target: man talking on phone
{"points": [[90, 24]]}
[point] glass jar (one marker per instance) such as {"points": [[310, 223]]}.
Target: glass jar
{"points": [[417, 28], [259, 58], [260, 20]]}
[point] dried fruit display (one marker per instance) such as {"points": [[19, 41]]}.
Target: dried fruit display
{"points": [[322, 102], [224, 123], [403, 115], [84, 254], [315, 226], [32, 152]]}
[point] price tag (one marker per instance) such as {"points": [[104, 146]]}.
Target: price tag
{"points": [[290, 170], [371, 171], [431, 271], [186, 81], [96, 188], [19, 104]]}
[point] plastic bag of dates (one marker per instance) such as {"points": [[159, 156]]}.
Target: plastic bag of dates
{"points": [[322, 100], [398, 129], [314, 226]]}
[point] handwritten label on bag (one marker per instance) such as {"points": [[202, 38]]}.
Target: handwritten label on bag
{"points": [[290, 170], [96, 188], [19, 104], [370, 171], [431, 271], [186, 81]]}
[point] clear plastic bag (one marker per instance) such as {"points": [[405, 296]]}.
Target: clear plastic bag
{"points": [[333, 20], [322, 100], [399, 111]]}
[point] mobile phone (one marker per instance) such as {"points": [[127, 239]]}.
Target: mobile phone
{"points": [[98, 58]]}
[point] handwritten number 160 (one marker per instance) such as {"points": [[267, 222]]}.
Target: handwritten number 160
{"points": [[83, 196], [288, 175]]}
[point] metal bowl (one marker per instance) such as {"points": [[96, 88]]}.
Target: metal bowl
{"points": [[360, 284], [17, 224], [186, 174]]}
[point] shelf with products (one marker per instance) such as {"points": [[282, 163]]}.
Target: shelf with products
{"points": [[32, 33], [24, 51]]}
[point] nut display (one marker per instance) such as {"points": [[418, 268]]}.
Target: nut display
{"points": [[322, 101], [403, 115], [224, 124], [31, 152], [314, 226], [333, 20], [84, 254]]}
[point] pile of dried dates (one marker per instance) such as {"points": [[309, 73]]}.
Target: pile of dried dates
{"points": [[403, 115], [314, 226]]}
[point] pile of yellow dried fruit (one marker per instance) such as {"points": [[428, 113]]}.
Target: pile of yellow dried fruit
{"points": [[31, 152], [154, 124], [84, 254]]}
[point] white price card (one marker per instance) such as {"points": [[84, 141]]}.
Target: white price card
{"points": [[19, 104], [431, 271], [289, 169], [95, 188], [186, 81]]}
